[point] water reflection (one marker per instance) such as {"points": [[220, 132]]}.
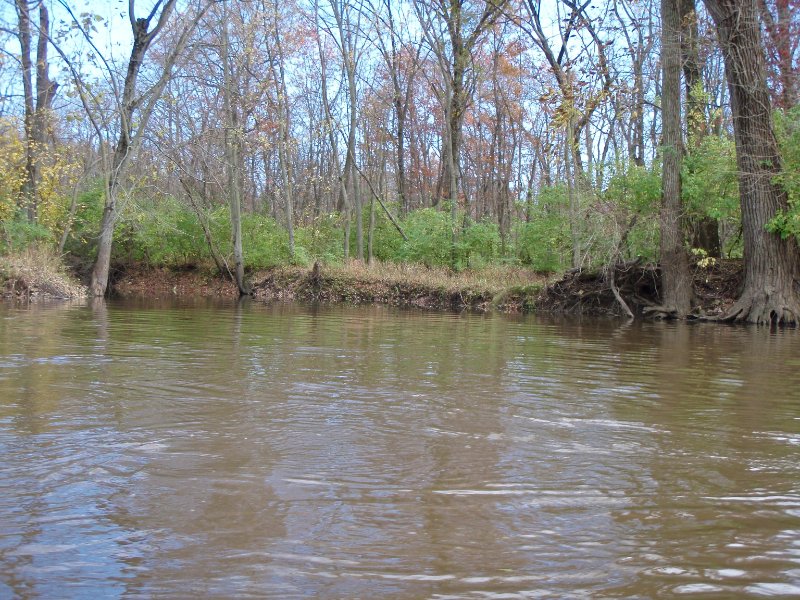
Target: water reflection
{"points": [[219, 449]]}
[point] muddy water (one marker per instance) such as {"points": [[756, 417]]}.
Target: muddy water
{"points": [[203, 450]]}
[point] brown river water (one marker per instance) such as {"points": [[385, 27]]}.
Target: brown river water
{"points": [[216, 450]]}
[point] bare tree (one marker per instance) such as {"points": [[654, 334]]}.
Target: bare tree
{"points": [[133, 107], [232, 153], [453, 38], [38, 101]]}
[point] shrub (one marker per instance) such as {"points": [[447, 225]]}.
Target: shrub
{"points": [[543, 242], [710, 187], [82, 241], [478, 245], [787, 129], [430, 238], [18, 234], [321, 240]]}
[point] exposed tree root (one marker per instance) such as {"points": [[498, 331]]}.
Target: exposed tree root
{"points": [[661, 312], [633, 289], [765, 307], [622, 290]]}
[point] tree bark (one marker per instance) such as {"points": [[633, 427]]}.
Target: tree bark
{"points": [[771, 263], [232, 158], [675, 277]]}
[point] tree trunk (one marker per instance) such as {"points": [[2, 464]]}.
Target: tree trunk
{"points": [[675, 277], [771, 263], [127, 140], [284, 146], [34, 127], [572, 197], [232, 160]]}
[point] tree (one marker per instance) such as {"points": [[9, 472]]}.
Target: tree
{"points": [[277, 60], [676, 280], [574, 118], [463, 25], [636, 21], [232, 154], [133, 107], [38, 101], [704, 228], [781, 20], [771, 263], [346, 28], [403, 62]]}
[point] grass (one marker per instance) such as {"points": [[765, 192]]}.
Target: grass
{"points": [[37, 273], [490, 279], [501, 287]]}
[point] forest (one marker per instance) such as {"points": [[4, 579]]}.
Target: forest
{"points": [[557, 137]]}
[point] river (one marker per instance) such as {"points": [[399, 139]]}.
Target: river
{"points": [[209, 449]]}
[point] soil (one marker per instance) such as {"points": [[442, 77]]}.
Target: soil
{"points": [[716, 287], [319, 286], [577, 292], [142, 281]]}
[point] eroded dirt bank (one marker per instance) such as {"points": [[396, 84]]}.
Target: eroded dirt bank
{"points": [[577, 292]]}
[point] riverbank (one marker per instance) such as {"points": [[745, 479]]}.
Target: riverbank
{"points": [[506, 289], [631, 287], [37, 274], [634, 287]]}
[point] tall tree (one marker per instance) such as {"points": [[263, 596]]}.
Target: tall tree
{"points": [[277, 61], [635, 20], [232, 153], [38, 100], [133, 109], [573, 117], [704, 228], [771, 263], [464, 24], [347, 26], [403, 63], [676, 280]]}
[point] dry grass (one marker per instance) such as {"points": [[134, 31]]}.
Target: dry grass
{"points": [[501, 288], [491, 279], [37, 273]]}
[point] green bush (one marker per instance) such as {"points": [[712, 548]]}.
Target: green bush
{"points": [[18, 233], [321, 240], [430, 238], [543, 242], [82, 241], [710, 188], [478, 245], [787, 129], [633, 196], [160, 232], [635, 188], [168, 233], [386, 240], [710, 183], [265, 243]]}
